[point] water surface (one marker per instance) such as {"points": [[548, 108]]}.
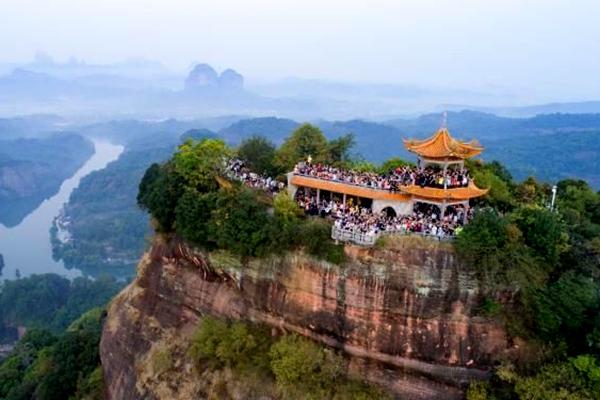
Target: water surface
{"points": [[26, 247]]}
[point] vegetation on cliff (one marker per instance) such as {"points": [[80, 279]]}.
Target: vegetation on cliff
{"points": [[540, 271], [191, 195], [287, 366]]}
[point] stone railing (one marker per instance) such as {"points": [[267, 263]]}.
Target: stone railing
{"points": [[345, 235], [369, 239]]}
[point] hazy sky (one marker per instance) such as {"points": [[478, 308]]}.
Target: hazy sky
{"points": [[542, 45]]}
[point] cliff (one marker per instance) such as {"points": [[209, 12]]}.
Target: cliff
{"points": [[404, 314]]}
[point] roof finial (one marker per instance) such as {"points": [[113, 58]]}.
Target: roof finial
{"points": [[444, 120]]}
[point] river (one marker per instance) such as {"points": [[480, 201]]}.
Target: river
{"points": [[26, 247]]}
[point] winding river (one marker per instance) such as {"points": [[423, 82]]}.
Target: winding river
{"points": [[26, 247]]}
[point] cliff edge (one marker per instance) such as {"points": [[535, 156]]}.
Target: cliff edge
{"points": [[404, 313]]}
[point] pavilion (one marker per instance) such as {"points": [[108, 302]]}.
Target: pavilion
{"points": [[441, 149]]}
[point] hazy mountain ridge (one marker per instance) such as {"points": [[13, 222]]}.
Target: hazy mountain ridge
{"points": [[145, 89]]}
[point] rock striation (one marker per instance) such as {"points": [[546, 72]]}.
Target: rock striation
{"points": [[403, 313]]}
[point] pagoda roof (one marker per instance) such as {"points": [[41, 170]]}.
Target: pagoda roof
{"points": [[442, 145], [454, 194]]}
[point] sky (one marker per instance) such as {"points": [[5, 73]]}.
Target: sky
{"points": [[547, 46]]}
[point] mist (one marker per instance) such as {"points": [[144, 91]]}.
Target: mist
{"points": [[301, 59]]}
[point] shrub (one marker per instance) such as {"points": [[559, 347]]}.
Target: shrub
{"points": [[193, 213], [240, 222], [478, 391], [236, 345], [298, 363], [315, 236]]}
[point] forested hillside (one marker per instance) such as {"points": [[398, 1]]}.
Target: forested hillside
{"points": [[32, 170], [106, 228]]}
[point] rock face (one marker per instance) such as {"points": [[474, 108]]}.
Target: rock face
{"points": [[402, 313]]}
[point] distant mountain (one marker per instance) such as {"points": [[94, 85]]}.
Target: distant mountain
{"points": [[485, 126], [198, 134], [204, 79], [29, 126], [374, 141], [275, 129], [551, 157], [464, 124], [580, 107]]}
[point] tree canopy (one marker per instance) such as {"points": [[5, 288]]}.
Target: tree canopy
{"points": [[307, 140]]}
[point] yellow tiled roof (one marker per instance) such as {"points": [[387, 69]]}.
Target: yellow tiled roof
{"points": [[405, 194], [442, 145], [462, 193]]}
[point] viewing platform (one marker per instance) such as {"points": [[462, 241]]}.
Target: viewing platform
{"points": [[431, 199], [380, 199]]}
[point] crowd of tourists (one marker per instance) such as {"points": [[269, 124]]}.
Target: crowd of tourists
{"points": [[401, 176], [354, 218], [238, 170]]}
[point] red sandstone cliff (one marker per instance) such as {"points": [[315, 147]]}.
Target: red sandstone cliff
{"points": [[403, 313]]}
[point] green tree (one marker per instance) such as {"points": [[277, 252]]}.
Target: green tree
{"points": [[576, 379], [259, 153], [240, 222], [160, 189], [298, 363], [315, 236], [307, 140], [565, 310], [543, 231], [200, 163], [193, 214], [499, 195], [236, 345], [338, 150], [393, 163], [530, 191]]}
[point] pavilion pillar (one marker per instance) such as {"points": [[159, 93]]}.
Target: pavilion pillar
{"points": [[466, 205], [344, 199], [443, 210], [445, 171], [318, 196]]}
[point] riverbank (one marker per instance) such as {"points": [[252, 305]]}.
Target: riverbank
{"points": [[26, 247]]}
